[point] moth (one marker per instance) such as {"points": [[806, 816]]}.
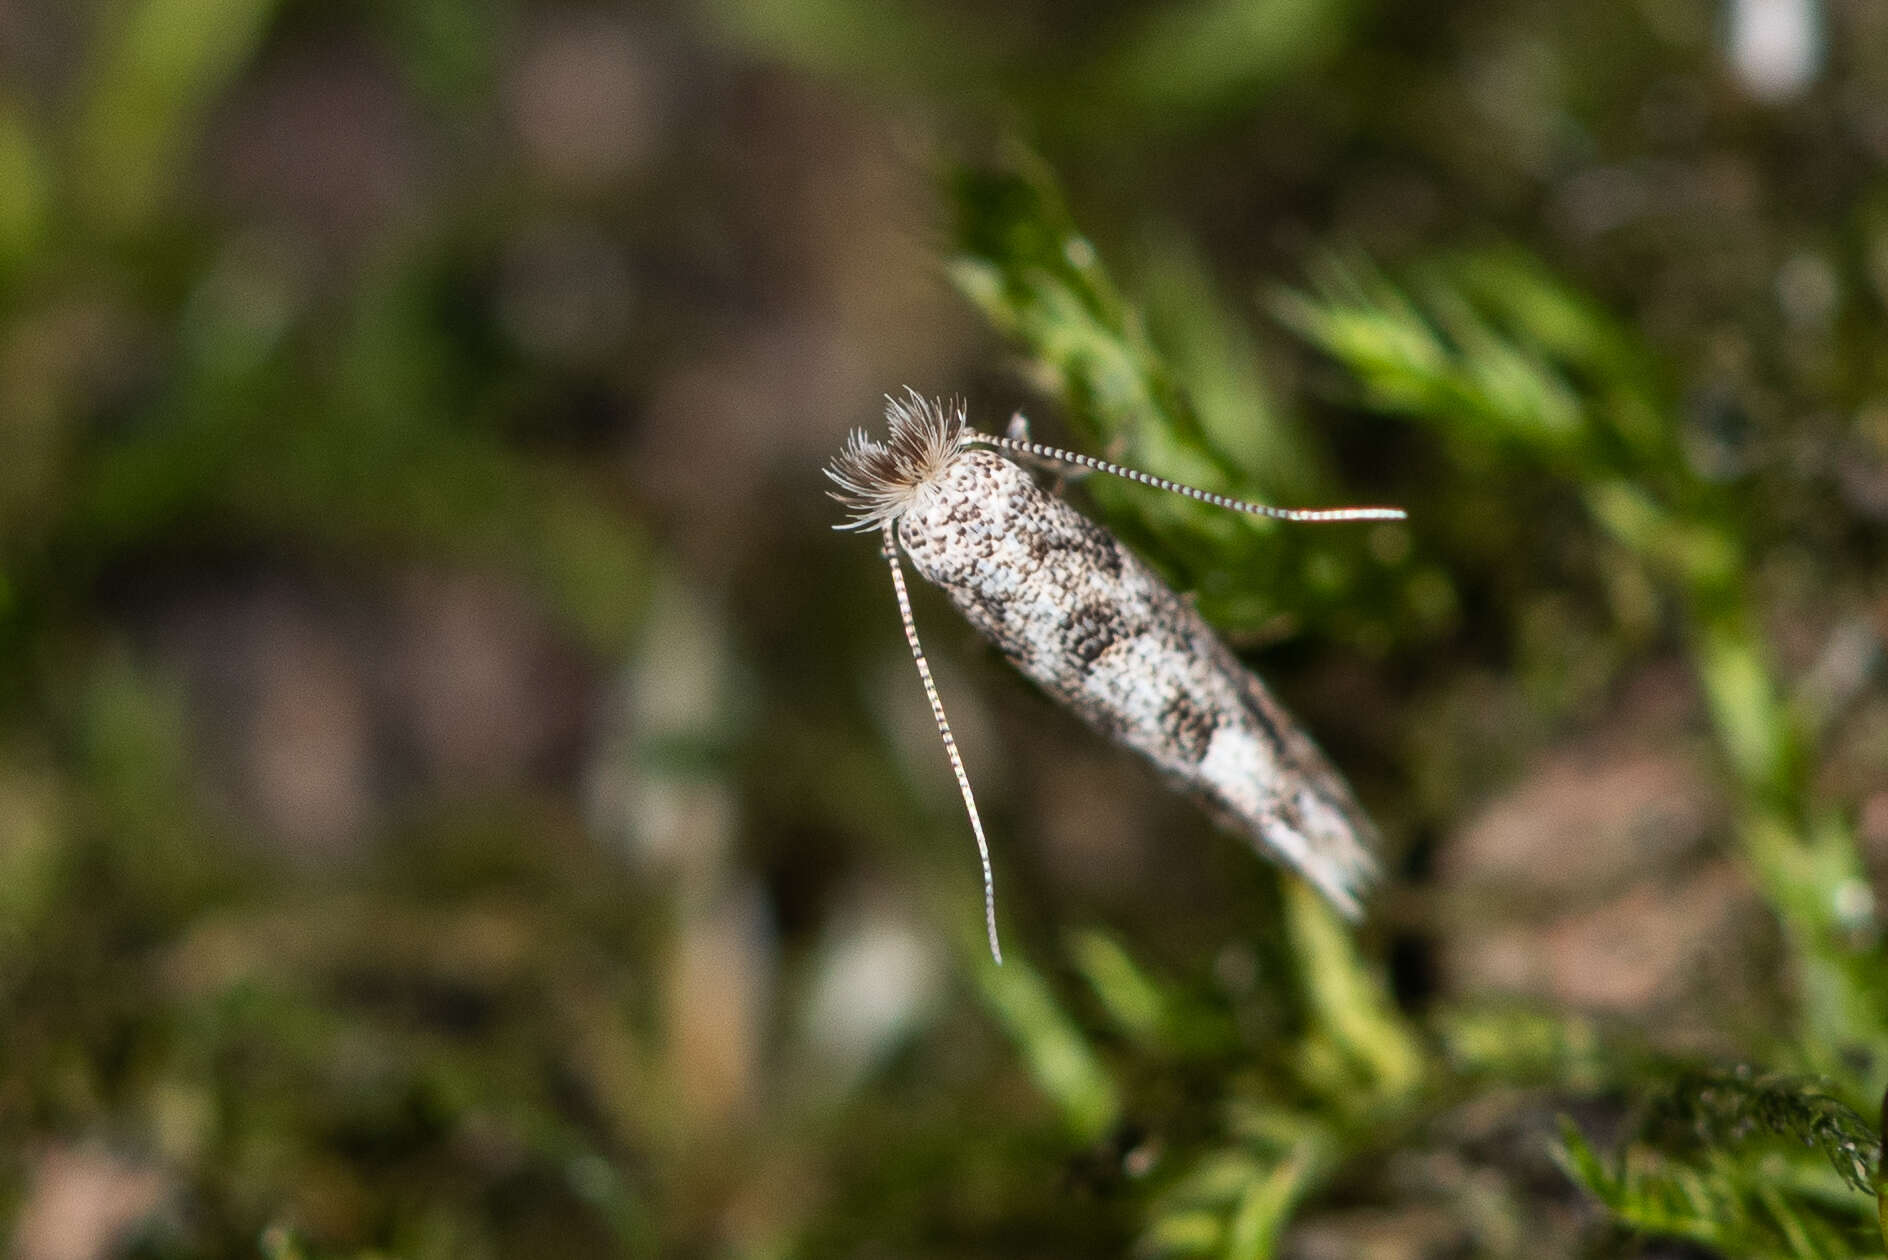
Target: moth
{"points": [[1096, 629]]}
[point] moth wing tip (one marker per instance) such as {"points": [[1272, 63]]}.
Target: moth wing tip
{"points": [[1340, 866]]}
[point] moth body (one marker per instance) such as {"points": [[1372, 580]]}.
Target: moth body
{"points": [[1096, 629]]}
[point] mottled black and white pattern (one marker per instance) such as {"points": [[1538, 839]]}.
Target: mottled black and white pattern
{"points": [[1096, 629]]}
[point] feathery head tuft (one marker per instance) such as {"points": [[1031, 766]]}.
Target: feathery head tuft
{"points": [[878, 480]]}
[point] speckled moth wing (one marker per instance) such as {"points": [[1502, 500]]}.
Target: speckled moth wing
{"points": [[1093, 626]]}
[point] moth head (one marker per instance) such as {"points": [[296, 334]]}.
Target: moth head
{"points": [[878, 481]]}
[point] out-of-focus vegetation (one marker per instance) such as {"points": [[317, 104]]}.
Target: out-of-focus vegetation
{"points": [[459, 798]]}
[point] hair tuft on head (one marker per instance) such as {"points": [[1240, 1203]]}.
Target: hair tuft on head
{"points": [[877, 481]]}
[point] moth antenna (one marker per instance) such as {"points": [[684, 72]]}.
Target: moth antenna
{"points": [[944, 733], [1037, 449]]}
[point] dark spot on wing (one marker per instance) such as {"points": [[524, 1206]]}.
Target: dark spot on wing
{"points": [[1261, 708], [1096, 546], [995, 619], [1091, 630], [1069, 531], [1188, 725]]}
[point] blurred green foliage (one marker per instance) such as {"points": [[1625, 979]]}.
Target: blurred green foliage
{"points": [[1694, 1177], [456, 799]]}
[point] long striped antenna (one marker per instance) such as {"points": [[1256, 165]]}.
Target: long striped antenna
{"points": [[1023, 446], [944, 733]]}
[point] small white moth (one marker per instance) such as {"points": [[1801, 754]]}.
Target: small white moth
{"points": [[1095, 628]]}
